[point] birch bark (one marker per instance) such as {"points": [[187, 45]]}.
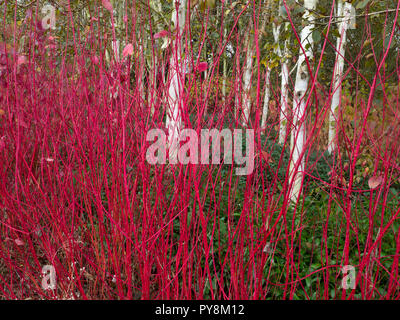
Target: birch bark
{"points": [[246, 102], [298, 135], [284, 90], [175, 90], [344, 11]]}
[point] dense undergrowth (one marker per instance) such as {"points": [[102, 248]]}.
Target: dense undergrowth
{"points": [[77, 193]]}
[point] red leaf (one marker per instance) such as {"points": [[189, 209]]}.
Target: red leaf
{"points": [[266, 156], [21, 60], [374, 182], [95, 60], [202, 66], [107, 4], [161, 34], [128, 50], [19, 242]]}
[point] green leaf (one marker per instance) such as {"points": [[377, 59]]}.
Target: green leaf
{"points": [[362, 4], [316, 36], [336, 33]]}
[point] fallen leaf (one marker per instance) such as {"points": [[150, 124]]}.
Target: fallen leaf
{"points": [[95, 60], [268, 248], [21, 60], [19, 242], [266, 156], [2, 112], [374, 182], [161, 34], [128, 50], [202, 66]]}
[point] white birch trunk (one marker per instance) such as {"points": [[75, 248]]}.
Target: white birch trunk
{"points": [[246, 101], [174, 118], [225, 64], [225, 72], [238, 85], [344, 11], [267, 93], [154, 68], [266, 98], [284, 90], [298, 136]]}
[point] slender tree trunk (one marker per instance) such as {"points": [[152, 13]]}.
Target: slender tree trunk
{"points": [[142, 67], [154, 63], [117, 44], [344, 11], [225, 72], [266, 97], [246, 101], [204, 83], [298, 136], [175, 90], [267, 91], [238, 83], [247, 74], [284, 80], [284, 90], [120, 22], [224, 62]]}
